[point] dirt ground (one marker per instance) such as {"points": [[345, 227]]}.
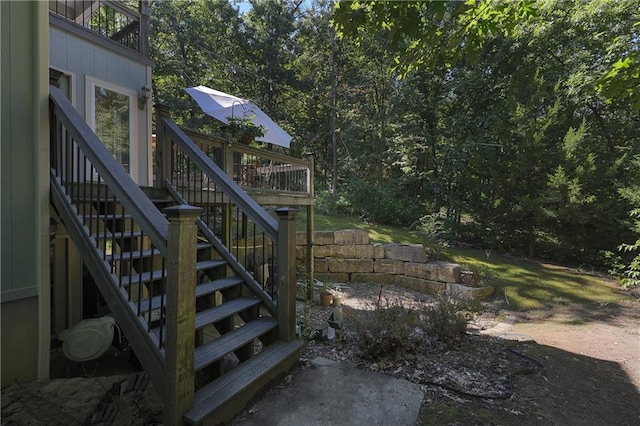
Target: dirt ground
{"points": [[565, 365], [583, 366], [590, 375]]}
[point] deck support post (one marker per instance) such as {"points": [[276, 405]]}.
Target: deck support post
{"points": [[310, 229], [286, 273], [180, 311]]}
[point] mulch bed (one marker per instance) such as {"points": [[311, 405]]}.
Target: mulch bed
{"points": [[472, 366]]}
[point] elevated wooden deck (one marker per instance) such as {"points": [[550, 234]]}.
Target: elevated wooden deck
{"points": [[271, 178]]}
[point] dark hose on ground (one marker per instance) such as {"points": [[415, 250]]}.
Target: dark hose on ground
{"points": [[509, 383]]}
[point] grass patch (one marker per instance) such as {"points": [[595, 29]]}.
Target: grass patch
{"points": [[377, 233], [525, 285], [534, 285]]}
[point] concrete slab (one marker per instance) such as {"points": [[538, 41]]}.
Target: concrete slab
{"points": [[332, 393]]}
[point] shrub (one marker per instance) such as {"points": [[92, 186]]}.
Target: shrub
{"points": [[386, 332], [437, 232], [392, 330], [446, 319]]}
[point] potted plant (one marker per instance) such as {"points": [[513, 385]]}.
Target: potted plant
{"points": [[327, 292], [242, 129]]}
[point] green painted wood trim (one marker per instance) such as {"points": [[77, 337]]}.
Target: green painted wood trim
{"points": [[22, 293]]}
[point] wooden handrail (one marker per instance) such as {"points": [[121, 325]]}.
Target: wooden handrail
{"points": [[244, 149], [247, 204], [115, 177], [133, 14], [258, 171]]}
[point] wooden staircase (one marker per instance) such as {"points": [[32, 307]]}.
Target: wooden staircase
{"points": [[238, 332]]}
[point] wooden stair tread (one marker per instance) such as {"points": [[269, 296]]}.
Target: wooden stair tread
{"points": [[201, 290], [117, 235], [163, 201], [227, 309], [224, 389], [217, 285], [204, 265], [133, 255], [106, 216], [97, 199], [214, 314], [203, 245], [216, 349], [159, 273]]}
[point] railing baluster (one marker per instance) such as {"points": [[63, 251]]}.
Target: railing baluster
{"points": [[66, 166], [59, 146], [149, 289], [130, 249], [140, 295], [217, 208], [83, 195], [121, 262], [102, 208], [163, 280], [89, 204]]}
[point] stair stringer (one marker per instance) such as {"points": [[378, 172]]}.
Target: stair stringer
{"points": [[145, 344]]}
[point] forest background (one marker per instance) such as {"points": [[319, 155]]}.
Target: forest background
{"points": [[513, 126]]}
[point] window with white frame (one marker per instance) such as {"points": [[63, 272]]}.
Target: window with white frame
{"points": [[111, 115]]}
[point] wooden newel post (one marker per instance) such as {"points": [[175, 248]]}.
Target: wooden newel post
{"points": [[180, 311], [286, 273], [163, 147]]}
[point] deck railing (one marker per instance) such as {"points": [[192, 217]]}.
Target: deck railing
{"points": [[257, 170], [125, 22], [271, 178], [258, 247], [231, 217]]}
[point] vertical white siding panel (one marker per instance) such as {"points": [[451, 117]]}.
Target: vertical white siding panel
{"points": [[58, 55], [100, 63], [88, 59]]}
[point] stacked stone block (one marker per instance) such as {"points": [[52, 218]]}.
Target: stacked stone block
{"points": [[348, 256]]}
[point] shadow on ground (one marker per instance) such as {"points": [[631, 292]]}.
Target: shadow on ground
{"points": [[572, 389]]}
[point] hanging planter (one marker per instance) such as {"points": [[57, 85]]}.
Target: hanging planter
{"points": [[242, 129]]}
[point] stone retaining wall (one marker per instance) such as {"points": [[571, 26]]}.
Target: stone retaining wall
{"points": [[348, 256]]}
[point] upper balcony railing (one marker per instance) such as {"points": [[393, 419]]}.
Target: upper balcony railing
{"points": [[125, 22]]}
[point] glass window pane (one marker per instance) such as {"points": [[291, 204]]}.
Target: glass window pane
{"points": [[112, 123]]}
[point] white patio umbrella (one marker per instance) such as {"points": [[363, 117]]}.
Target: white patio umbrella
{"points": [[221, 106]]}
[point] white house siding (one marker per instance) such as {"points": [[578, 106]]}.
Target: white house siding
{"points": [[81, 58]]}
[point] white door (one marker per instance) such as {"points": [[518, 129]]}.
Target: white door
{"points": [[112, 116]]}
